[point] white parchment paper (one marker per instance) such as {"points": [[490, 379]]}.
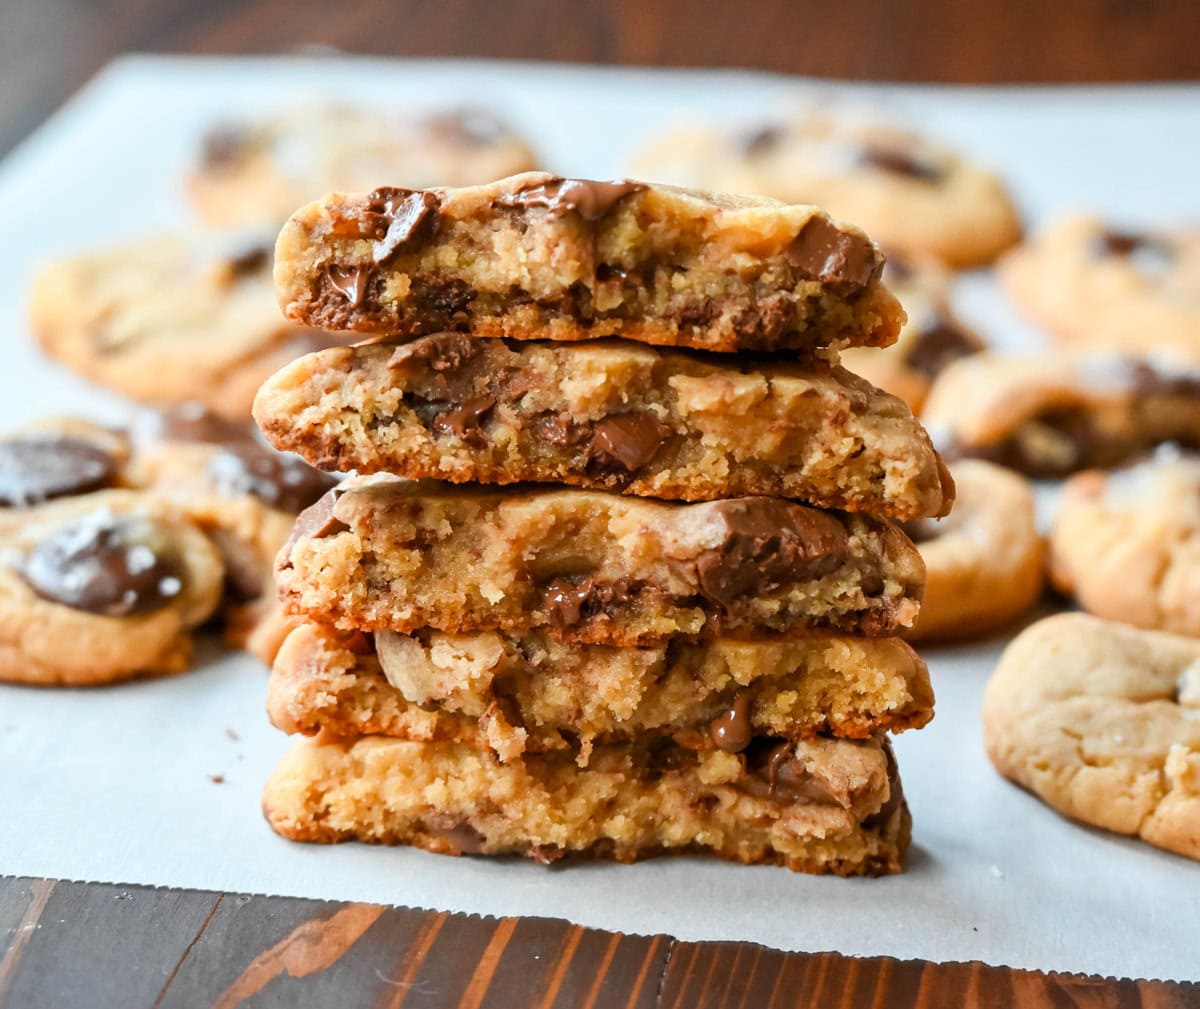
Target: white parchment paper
{"points": [[115, 784]]}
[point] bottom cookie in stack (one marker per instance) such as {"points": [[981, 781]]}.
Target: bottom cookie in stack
{"points": [[759, 752]]}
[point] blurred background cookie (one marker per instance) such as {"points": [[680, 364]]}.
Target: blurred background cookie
{"points": [[984, 561], [171, 319], [905, 190], [259, 172], [1092, 284], [1126, 544]]}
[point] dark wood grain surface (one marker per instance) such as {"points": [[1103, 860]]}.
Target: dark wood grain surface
{"points": [[129, 947], [48, 48]]}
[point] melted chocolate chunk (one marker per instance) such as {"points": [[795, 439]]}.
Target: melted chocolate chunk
{"points": [[922, 530], [108, 564], [628, 441], [318, 520], [560, 429], [895, 797], [465, 419], [461, 840], [766, 543], [844, 262], [570, 601], [773, 773], [1152, 253], [278, 480], [896, 162], [591, 200], [731, 731], [441, 352], [37, 467], [349, 281], [400, 220], [1149, 381], [937, 346]]}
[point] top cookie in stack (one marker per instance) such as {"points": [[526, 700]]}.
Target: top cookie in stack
{"points": [[564, 670]]}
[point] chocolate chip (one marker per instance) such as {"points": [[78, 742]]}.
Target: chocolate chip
{"points": [[768, 542], [845, 262], [401, 219], [570, 601], [278, 480], [318, 520], [937, 346], [461, 840], [559, 429], [472, 127], [224, 145], [628, 440], [37, 467], [895, 791], [773, 772], [465, 419], [761, 141], [108, 564], [591, 200], [349, 281], [731, 731], [250, 260], [441, 352], [192, 422], [1151, 255], [896, 162]]}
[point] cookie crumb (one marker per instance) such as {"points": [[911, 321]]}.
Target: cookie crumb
{"points": [[217, 779], [230, 734]]}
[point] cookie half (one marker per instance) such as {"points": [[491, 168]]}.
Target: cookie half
{"points": [[539, 256], [828, 806], [607, 415], [533, 693], [379, 553], [1102, 722]]}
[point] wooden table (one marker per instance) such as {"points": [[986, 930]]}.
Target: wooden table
{"points": [[48, 48], [97, 946]]}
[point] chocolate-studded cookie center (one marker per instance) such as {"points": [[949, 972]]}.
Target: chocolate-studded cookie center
{"points": [[38, 467], [112, 565]]}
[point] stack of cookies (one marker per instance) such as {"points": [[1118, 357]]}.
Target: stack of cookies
{"points": [[618, 573]]}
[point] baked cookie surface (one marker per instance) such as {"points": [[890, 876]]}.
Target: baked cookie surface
{"points": [[606, 415], [259, 172], [1060, 411], [170, 319], [985, 562], [932, 338], [1095, 286], [99, 586], [379, 553], [831, 806], [1102, 722], [539, 256], [1126, 544], [533, 693], [906, 191]]}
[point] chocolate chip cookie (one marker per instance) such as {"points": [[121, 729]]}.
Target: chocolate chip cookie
{"points": [[514, 694], [170, 319], [606, 415], [378, 553], [908, 192], [1095, 285], [984, 563], [256, 172], [822, 805], [1102, 722], [539, 256], [932, 338], [95, 585], [1126, 544], [1053, 413]]}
